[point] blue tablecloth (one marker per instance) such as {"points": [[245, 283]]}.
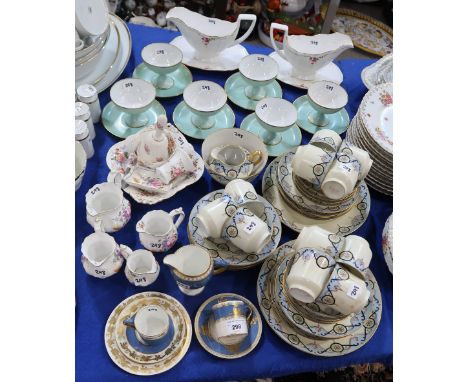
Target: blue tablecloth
{"points": [[97, 298]]}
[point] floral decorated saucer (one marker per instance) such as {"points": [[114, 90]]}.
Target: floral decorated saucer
{"points": [[134, 357], [235, 89], [342, 225], [202, 328], [330, 72], [314, 345], [181, 77], [227, 60], [338, 122], [224, 253], [182, 117], [387, 242], [120, 154]]}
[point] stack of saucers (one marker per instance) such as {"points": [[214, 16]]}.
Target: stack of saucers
{"points": [[347, 310], [372, 130]]}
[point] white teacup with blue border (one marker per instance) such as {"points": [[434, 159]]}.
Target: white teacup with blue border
{"points": [[150, 330]]}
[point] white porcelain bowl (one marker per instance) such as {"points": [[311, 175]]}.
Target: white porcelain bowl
{"points": [[276, 114], [132, 94], [258, 67], [161, 55], [236, 137], [80, 164], [327, 97], [205, 96]]}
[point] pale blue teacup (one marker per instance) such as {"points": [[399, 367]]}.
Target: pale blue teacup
{"points": [[204, 99], [162, 59], [153, 326], [258, 70], [133, 97], [275, 115], [325, 97]]}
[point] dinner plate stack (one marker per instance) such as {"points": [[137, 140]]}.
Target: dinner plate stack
{"points": [[313, 328], [102, 44], [372, 130]]}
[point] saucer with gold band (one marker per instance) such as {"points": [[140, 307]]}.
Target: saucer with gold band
{"points": [[139, 359], [203, 325]]}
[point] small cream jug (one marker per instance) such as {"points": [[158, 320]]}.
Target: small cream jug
{"points": [[106, 208], [191, 267], [102, 256], [158, 231]]}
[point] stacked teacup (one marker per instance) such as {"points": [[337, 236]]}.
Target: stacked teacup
{"points": [[321, 180], [329, 272], [235, 217]]}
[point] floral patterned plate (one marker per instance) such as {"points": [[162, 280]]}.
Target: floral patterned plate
{"points": [[305, 323], [119, 155], [366, 32], [147, 364], [224, 253], [342, 225], [376, 114], [312, 345], [387, 242]]}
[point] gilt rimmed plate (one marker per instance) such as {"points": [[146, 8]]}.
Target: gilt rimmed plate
{"points": [[303, 322], [330, 72], [376, 114], [227, 60], [313, 345], [342, 225], [224, 253], [113, 59], [202, 329], [366, 32], [140, 363], [119, 154]]}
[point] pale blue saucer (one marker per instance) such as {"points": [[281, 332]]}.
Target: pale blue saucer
{"points": [[113, 119], [338, 122], [235, 88], [181, 77], [182, 117], [290, 138]]}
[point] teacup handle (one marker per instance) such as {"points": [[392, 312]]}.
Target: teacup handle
{"points": [[246, 17], [97, 225], [274, 44], [255, 157], [125, 251], [130, 322], [249, 315], [174, 213]]}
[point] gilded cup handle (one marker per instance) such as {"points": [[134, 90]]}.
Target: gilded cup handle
{"points": [[255, 157], [130, 322], [249, 315]]}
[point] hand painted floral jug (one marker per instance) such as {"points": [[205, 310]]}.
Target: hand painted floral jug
{"points": [[307, 54], [208, 36]]}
